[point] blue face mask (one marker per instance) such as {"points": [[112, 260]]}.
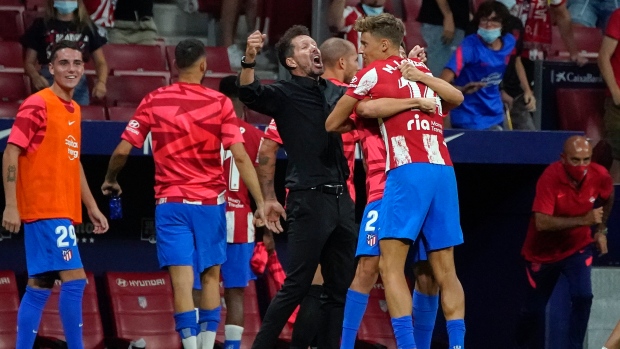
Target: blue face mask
{"points": [[65, 7], [372, 11], [489, 35]]}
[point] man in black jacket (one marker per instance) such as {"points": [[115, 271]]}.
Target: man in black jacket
{"points": [[320, 212]]}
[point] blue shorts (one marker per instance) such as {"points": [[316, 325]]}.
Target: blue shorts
{"points": [[186, 231], [51, 245], [368, 239], [418, 251], [236, 272], [422, 197]]}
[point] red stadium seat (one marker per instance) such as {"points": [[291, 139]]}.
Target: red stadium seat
{"points": [[14, 87], [8, 110], [212, 83], [11, 57], [129, 90], [376, 326], [51, 327], [413, 35], [36, 4], [588, 42], [123, 114], [142, 307], [412, 9], [17, 3], [218, 64], [11, 23], [251, 316], [254, 117], [93, 112], [582, 110], [9, 303], [135, 59]]}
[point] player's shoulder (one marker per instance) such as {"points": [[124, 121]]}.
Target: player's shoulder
{"points": [[33, 102], [471, 40], [247, 127], [598, 170], [552, 172]]}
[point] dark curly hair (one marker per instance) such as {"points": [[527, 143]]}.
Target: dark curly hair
{"points": [[285, 46]]}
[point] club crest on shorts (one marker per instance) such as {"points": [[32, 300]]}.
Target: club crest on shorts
{"points": [[371, 239], [67, 255], [142, 302]]}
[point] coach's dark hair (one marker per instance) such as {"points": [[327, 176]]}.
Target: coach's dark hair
{"points": [[487, 8], [384, 26], [285, 47], [188, 52], [62, 45]]}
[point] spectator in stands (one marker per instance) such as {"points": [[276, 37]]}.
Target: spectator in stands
{"points": [[229, 15], [537, 17], [133, 23], [64, 20], [592, 13], [102, 14], [572, 195], [190, 185], [517, 93], [341, 18], [477, 67], [45, 189], [609, 63], [443, 28]]}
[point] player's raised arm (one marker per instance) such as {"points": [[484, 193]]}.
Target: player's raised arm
{"points": [[450, 96], [10, 218]]}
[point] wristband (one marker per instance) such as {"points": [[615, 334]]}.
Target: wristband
{"points": [[247, 65]]}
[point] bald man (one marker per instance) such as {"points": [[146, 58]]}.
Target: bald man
{"points": [[572, 195]]}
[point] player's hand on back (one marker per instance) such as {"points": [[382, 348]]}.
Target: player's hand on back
{"points": [[255, 43], [10, 219], [418, 52], [410, 72], [99, 221], [428, 105], [111, 188]]}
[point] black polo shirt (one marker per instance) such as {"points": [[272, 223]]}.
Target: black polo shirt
{"points": [[300, 107]]}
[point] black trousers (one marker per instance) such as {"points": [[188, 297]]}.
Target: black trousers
{"points": [[321, 229]]}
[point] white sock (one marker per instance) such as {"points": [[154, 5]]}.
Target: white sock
{"points": [[207, 339], [189, 343], [233, 332]]}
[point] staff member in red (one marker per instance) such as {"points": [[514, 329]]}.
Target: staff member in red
{"points": [[559, 238]]}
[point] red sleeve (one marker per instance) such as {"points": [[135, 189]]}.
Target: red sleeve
{"points": [[613, 26], [363, 82], [271, 132], [556, 3], [544, 201], [230, 127], [140, 124], [29, 127]]}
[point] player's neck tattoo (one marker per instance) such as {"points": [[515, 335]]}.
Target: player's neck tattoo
{"points": [[10, 173]]}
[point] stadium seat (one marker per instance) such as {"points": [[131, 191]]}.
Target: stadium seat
{"points": [[582, 110], [413, 35], [51, 326], [135, 59], [122, 114], [376, 327], [11, 23], [8, 110], [218, 64], [11, 57], [588, 41], [93, 112], [142, 307], [17, 3], [251, 316], [254, 117], [212, 83], [9, 303], [129, 90], [412, 9], [35, 4], [14, 87]]}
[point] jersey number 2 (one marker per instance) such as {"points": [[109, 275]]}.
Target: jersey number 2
{"points": [[372, 218], [63, 232]]}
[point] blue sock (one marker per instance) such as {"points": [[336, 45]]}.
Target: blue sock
{"points": [[403, 331], [354, 310], [456, 333], [29, 316], [209, 320], [70, 309], [185, 324], [424, 314]]}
